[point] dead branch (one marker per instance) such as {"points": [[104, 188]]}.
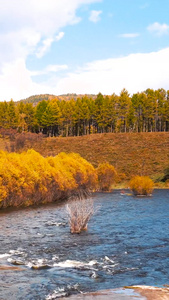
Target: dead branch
{"points": [[79, 211]]}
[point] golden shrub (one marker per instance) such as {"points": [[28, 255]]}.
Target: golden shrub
{"points": [[29, 178], [81, 172], [141, 185], [106, 176]]}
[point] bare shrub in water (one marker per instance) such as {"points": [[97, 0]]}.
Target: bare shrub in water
{"points": [[80, 210]]}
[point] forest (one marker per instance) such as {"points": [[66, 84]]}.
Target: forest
{"points": [[146, 111]]}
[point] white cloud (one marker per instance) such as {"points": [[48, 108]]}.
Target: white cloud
{"points": [[46, 44], [30, 27], [95, 15], [129, 35], [135, 72], [24, 24], [16, 82], [49, 69], [17, 44], [59, 36], [158, 29], [21, 85], [56, 68]]}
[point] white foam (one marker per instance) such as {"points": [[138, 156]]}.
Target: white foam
{"points": [[74, 264], [50, 223], [4, 255], [69, 264], [94, 275], [108, 259], [55, 257], [10, 260], [57, 294], [29, 265], [92, 262], [63, 292], [107, 267], [19, 251]]}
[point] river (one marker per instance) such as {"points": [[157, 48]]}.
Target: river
{"points": [[127, 243]]}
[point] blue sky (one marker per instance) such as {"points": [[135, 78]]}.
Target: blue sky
{"points": [[82, 46]]}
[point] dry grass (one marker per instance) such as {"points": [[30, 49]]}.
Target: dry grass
{"points": [[130, 153]]}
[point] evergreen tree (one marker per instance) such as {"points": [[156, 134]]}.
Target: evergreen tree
{"points": [[40, 109], [12, 115], [123, 110], [50, 118], [4, 114]]}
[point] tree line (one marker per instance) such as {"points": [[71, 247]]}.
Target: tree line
{"points": [[147, 111]]}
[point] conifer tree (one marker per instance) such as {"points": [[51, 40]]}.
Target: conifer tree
{"points": [[50, 118], [124, 104], [12, 115]]}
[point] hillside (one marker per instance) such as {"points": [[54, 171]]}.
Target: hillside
{"points": [[130, 153], [37, 98]]}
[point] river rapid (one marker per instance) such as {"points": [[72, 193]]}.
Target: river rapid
{"points": [[127, 243]]}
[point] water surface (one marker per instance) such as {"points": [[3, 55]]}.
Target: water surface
{"points": [[127, 243]]}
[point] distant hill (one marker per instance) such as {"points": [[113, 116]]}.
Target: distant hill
{"points": [[75, 96], [37, 98]]}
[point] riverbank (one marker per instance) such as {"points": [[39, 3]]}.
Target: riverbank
{"points": [[125, 186], [152, 293], [129, 293], [114, 294]]}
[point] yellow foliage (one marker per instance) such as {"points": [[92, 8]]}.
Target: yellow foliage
{"points": [[29, 178], [141, 185], [106, 176], [79, 173]]}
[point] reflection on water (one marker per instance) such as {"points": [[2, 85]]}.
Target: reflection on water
{"points": [[127, 243]]}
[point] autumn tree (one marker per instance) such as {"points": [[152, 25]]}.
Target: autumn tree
{"points": [[4, 115], [40, 109], [113, 112], [106, 176], [141, 185], [12, 115], [123, 109], [67, 118], [50, 118]]}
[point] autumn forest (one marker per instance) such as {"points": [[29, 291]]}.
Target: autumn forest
{"points": [[147, 111]]}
